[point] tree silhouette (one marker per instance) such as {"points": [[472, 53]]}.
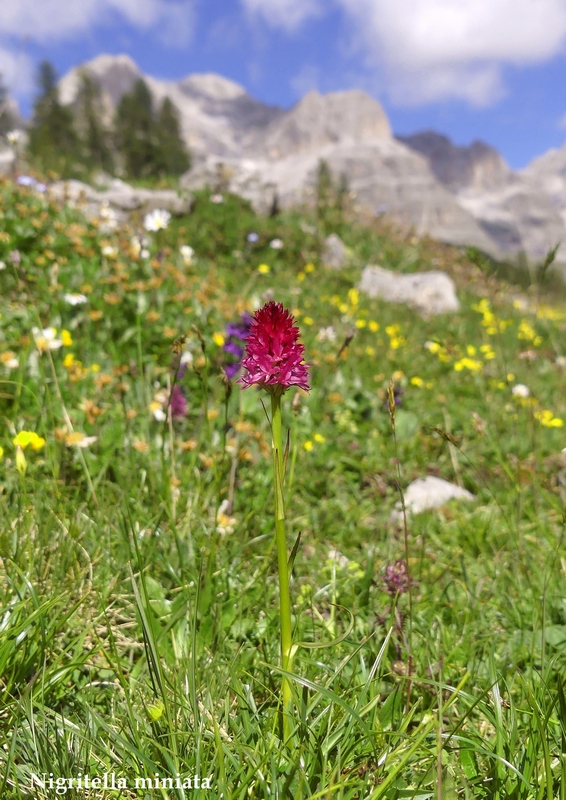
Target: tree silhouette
{"points": [[172, 157], [136, 134], [94, 136], [53, 142]]}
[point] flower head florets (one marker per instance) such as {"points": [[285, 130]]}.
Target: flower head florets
{"points": [[274, 357]]}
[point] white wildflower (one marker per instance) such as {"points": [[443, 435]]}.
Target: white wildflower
{"points": [[327, 334], [187, 254], [14, 137], [78, 439], [520, 390], [216, 198], [276, 244], [46, 339], [75, 299], [9, 360], [156, 220], [109, 251], [107, 217], [224, 523]]}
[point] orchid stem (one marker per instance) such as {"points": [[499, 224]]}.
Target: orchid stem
{"points": [[282, 560]]}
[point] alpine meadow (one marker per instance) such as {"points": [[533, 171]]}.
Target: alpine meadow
{"points": [[206, 591]]}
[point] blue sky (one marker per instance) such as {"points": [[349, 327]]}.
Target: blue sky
{"points": [[472, 69]]}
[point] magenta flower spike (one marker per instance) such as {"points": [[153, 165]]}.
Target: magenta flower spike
{"points": [[274, 356], [274, 360]]}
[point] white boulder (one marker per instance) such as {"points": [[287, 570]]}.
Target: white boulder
{"points": [[429, 492], [429, 293]]}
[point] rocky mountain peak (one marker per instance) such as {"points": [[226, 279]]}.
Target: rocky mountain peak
{"points": [[115, 74], [476, 166], [318, 120], [211, 86]]}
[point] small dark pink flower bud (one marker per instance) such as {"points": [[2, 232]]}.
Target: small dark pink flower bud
{"points": [[274, 357]]}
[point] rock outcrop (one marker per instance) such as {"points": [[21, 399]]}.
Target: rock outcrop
{"points": [[120, 197], [321, 120], [478, 166], [460, 195], [427, 493], [429, 293]]}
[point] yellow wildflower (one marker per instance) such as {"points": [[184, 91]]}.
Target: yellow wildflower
{"points": [[66, 338], [353, 297], [218, 338], [308, 446], [416, 381], [468, 363], [373, 326], [547, 418], [25, 438], [547, 312], [527, 333], [318, 437], [264, 269]]}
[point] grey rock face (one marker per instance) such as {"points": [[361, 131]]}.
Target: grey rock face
{"points": [[521, 216], [120, 197], [459, 195], [247, 178], [429, 492], [7, 159], [381, 172], [429, 293], [334, 252], [317, 121], [478, 166]]}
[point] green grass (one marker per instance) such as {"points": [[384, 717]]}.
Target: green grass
{"points": [[138, 612]]}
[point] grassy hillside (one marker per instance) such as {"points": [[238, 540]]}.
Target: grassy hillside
{"points": [[138, 584]]}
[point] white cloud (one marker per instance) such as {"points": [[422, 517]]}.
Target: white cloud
{"points": [[16, 70], [286, 14], [430, 32], [47, 21], [430, 50], [57, 20]]}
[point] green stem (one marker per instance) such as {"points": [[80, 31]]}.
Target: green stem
{"points": [[282, 560]]}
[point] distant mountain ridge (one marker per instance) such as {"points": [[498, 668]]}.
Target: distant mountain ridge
{"points": [[462, 195]]}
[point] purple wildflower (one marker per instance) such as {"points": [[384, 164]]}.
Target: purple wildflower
{"points": [[178, 402], [396, 577], [236, 333]]}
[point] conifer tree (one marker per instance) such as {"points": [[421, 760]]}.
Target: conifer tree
{"points": [[324, 187], [135, 130], [94, 137], [6, 121], [53, 142], [172, 157], [149, 144]]}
